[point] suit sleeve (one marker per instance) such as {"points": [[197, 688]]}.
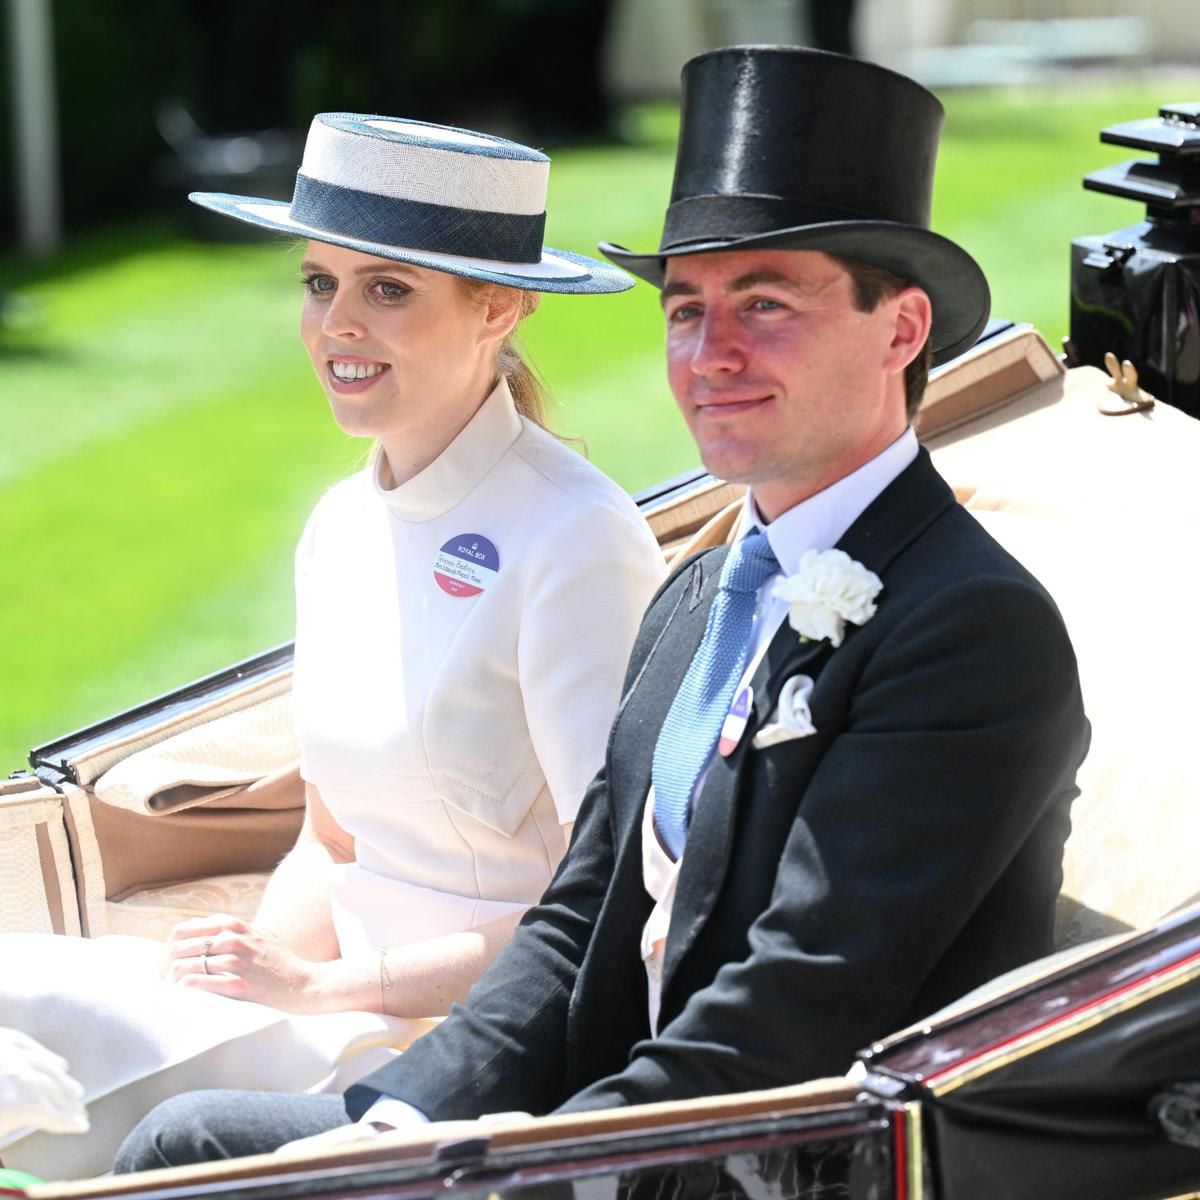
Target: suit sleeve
{"points": [[965, 724]]}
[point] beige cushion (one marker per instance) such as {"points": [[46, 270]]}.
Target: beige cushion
{"points": [[89, 765], [154, 911], [206, 762], [1106, 512]]}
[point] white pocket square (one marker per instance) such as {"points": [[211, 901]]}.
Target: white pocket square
{"points": [[791, 718]]}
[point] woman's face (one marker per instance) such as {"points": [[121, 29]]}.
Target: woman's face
{"points": [[404, 354]]}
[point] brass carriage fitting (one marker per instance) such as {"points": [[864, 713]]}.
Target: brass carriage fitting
{"points": [[1124, 385]]}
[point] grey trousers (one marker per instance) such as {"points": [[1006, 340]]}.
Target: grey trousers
{"points": [[204, 1126]]}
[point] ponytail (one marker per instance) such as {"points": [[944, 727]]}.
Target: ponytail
{"points": [[528, 392]]}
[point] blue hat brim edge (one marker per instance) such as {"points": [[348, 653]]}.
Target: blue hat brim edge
{"points": [[600, 278], [957, 287]]}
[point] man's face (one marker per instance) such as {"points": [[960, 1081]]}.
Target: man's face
{"points": [[784, 384]]}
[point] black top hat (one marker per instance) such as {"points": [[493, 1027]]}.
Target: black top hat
{"points": [[781, 147]]}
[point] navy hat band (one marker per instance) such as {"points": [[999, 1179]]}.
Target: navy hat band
{"points": [[417, 224]]}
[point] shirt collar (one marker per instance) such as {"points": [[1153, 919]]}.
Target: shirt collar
{"points": [[479, 446], [819, 522]]}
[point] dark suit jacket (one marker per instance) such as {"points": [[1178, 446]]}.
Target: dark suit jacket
{"points": [[833, 887]]}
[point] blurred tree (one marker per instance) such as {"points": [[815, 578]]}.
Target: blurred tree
{"points": [[246, 55], [114, 62], [529, 68]]}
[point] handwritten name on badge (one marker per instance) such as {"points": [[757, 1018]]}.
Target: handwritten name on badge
{"points": [[466, 565]]}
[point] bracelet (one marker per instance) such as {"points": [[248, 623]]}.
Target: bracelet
{"points": [[385, 981]]}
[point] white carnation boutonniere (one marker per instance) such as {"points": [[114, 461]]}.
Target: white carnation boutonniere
{"points": [[828, 589]]}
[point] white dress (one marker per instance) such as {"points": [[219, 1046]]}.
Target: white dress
{"points": [[460, 646]]}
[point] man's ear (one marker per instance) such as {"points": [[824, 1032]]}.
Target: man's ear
{"points": [[910, 331]]}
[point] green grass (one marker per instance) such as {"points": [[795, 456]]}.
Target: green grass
{"points": [[164, 439]]}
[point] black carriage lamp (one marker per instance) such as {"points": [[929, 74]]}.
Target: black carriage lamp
{"points": [[1136, 292]]}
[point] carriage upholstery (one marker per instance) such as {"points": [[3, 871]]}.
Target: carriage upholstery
{"points": [[1105, 511], [190, 816]]}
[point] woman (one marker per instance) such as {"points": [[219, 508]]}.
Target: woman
{"points": [[465, 605]]}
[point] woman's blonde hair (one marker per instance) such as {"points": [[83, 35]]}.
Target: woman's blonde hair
{"points": [[528, 391]]}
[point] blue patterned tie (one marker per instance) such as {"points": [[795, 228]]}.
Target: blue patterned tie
{"points": [[693, 724]]}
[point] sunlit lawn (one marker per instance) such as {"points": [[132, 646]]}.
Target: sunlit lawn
{"points": [[163, 438]]}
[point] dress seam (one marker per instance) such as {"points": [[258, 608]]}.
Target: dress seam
{"points": [[447, 807], [541, 836], [493, 796]]}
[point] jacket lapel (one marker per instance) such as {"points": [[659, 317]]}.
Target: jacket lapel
{"points": [[644, 707], [898, 515]]}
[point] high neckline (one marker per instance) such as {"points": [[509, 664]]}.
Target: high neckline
{"points": [[480, 445]]}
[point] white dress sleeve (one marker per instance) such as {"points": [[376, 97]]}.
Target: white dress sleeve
{"points": [[597, 571]]}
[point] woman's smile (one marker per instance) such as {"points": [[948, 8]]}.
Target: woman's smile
{"points": [[350, 374]]}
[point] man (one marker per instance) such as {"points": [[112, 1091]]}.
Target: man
{"points": [[825, 811]]}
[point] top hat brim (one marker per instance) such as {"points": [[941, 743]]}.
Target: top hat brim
{"points": [[558, 271], [956, 285]]}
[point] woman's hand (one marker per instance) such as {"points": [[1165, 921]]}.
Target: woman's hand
{"points": [[230, 957]]}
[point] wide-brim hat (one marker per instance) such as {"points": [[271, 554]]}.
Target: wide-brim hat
{"points": [[788, 148], [431, 195]]}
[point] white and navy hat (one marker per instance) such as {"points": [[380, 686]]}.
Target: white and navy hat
{"points": [[431, 195]]}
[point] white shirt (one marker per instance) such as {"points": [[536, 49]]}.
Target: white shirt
{"points": [[817, 523]]}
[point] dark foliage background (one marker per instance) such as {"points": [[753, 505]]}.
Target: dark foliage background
{"points": [[525, 67]]}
